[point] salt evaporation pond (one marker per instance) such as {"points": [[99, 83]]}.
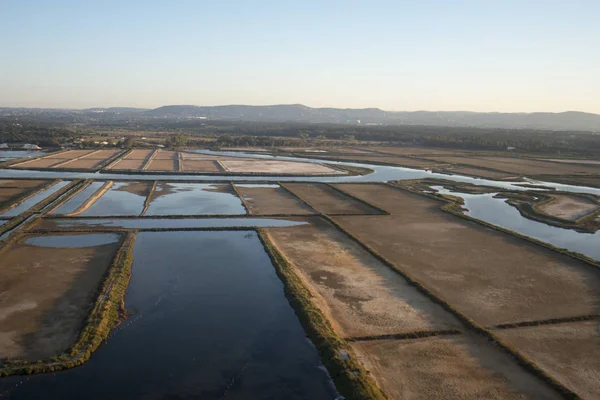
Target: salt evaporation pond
{"points": [[194, 199]]}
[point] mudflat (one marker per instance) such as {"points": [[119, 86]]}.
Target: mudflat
{"points": [[46, 292], [269, 201], [568, 207], [11, 190], [201, 166], [452, 367], [159, 164], [276, 167], [490, 276], [328, 200], [569, 352], [360, 295]]}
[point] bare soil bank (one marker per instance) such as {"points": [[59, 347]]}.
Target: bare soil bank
{"points": [[490, 276], [328, 200], [265, 201], [361, 296], [453, 367], [45, 294], [569, 352]]}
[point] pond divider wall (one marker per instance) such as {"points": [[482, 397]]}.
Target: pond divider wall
{"points": [[242, 199], [92, 199], [72, 194], [350, 378], [107, 311], [148, 198]]}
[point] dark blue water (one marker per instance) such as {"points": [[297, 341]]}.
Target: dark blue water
{"points": [[198, 330]]}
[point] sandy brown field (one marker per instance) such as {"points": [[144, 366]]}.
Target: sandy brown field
{"points": [[139, 154], [166, 155], [201, 166], [70, 154], [380, 158], [40, 163], [163, 165], [328, 200], [572, 161], [361, 296], [568, 207], [417, 151], [129, 164], [276, 167], [82, 163], [265, 201], [490, 276], [479, 172], [569, 352], [520, 166], [11, 190], [45, 294], [453, 367]]}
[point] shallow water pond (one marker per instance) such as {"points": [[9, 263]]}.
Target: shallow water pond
{"points": [[76, 201], [196, 330], [123, 198], [73, 241], [194, 199]]}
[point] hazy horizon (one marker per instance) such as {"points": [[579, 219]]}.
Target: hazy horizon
{"points": [[534, 56]]}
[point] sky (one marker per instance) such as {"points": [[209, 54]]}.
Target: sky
{"points": [[445, 55]]}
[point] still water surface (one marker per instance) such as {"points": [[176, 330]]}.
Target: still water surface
{"points": [[198, 330]]}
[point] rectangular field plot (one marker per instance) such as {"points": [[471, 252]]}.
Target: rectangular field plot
{"points": [[11, 190], [136, 159], [48, 284], [277, 167], [490, 276], [271, 199], [201, 166], [328, 200], [451, 368], [123, 198], [362, 296], [194, 199], [569, 352], [163, 164], [70, 154], [211, 321]]}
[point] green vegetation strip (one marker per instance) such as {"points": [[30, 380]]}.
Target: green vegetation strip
{"points": [[405, 336], [365, 202], [107, 312], [523, 361], [350, 378], [551, 321]]}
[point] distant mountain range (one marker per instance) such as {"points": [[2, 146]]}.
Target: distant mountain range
{"points": [[570, 120]]}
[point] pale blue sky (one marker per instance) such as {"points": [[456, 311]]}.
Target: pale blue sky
{"points": [[475, 55]]}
